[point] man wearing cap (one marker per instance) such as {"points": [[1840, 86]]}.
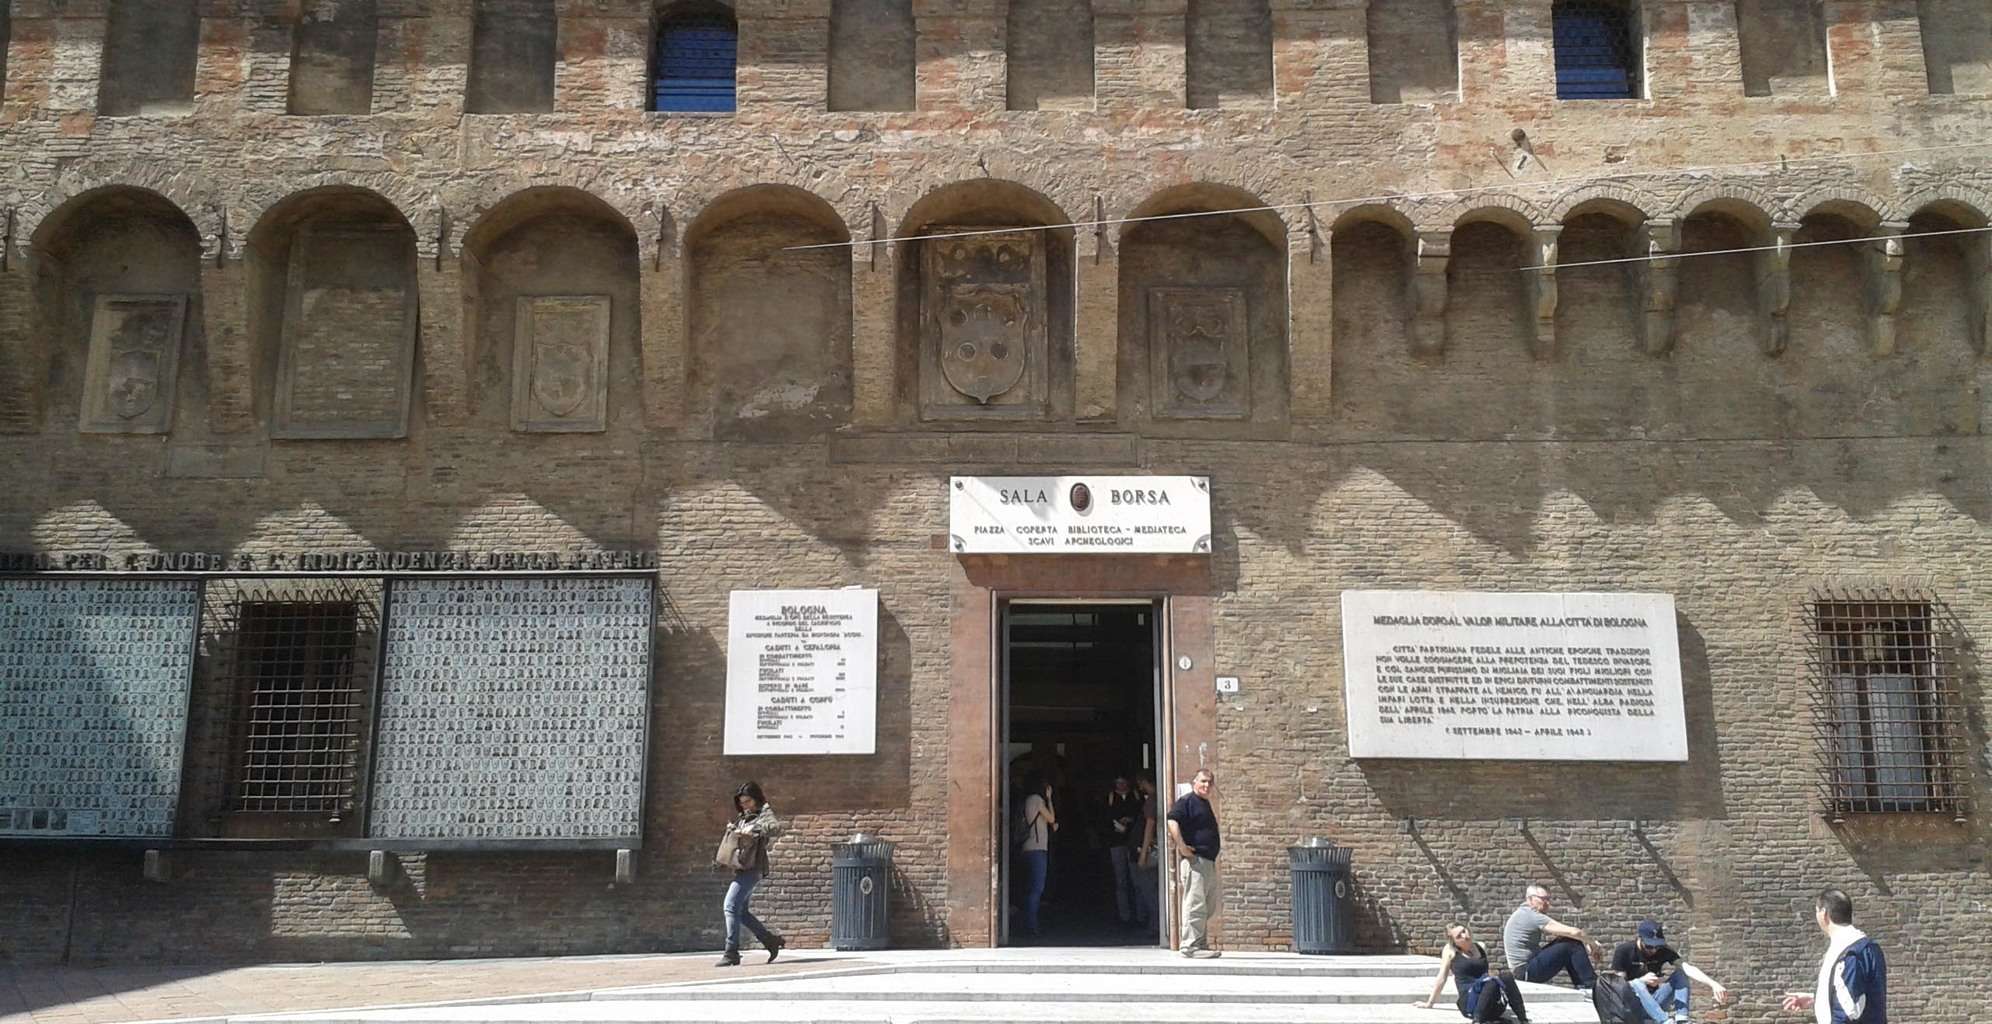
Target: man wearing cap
{"points": [[1646, 962]]}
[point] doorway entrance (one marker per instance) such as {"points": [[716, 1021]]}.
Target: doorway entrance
{"points": [[1082, 708]]}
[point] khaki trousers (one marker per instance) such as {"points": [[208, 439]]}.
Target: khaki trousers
{"points": [[1197, 876]]}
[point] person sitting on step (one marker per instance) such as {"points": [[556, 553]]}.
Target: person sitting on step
{"points": [[1483, 995]]}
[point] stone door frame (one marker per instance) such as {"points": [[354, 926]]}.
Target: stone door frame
{"points": [[1182, 589]]}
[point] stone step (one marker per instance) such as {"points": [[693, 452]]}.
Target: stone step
{"points": [[1183, 986], [912, 1011]]}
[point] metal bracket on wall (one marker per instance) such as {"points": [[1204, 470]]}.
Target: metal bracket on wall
{"points": [[877, 229], [442, 234], [221, 236], [7, 250], [1313, 228], [1099, 228]]}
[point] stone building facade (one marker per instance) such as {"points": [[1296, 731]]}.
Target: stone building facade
{"points": [[334, 228]]}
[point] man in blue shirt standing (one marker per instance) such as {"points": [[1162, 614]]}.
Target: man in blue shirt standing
{"points": [[1193, 835], [1853, 977]]}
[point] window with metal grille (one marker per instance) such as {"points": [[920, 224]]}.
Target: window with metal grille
{"points": [[1887, 705], [1597, 49], [697, 47], [299, 681]]}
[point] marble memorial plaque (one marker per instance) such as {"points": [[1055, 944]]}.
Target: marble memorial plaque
{"points": [[1199, 353], [94, 678], [560, 359], [347, 364], [1520, 677], [983, 324], [513, 709], [133, 363], [802, 672]]}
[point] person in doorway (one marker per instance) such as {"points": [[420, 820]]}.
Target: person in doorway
{"points": [[1853, 976], [1123, 839], [1194, 838], [1539, 947], [1036, 822], [1145, 882], [1658, 974], [751, 816], [1482, 995]]}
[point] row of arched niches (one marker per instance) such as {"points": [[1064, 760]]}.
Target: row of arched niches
{"points": [[768, 313]]}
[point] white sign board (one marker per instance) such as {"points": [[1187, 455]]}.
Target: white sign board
{"points": [[1516, 677], [1092, 515], [802, 672]]}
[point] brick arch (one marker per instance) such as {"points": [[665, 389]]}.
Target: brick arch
{"points": [[1510, 211], [1749, 204], [1386, 214], [1210, 197], [474, 207], [45, 212], [1623, 202], [936, 204], [526, 204], [423, 213], [1969, 206], [1863, 207], [766, 198], [56, 221]]}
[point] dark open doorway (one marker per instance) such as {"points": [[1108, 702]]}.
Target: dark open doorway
{"points": [[1080, 711]]}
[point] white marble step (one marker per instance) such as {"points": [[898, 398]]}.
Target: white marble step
{"points": [[1191, 985], [911, 1011]]}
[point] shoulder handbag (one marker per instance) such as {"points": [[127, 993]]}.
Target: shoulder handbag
{"points": [[737, 850]]}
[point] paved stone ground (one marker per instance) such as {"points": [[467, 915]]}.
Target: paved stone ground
{"points": [[104, 995]]}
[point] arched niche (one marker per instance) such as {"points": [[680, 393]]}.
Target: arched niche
{"points": [[1940, 326], [1605, 385], [1203, 309], [1729, 385], [551, 292], [765, 368], [1488, 313], [332, 306], [1373, 252], [117, 276], [1050, 55], [985, 313]]}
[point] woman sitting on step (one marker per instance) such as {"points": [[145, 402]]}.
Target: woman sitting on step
{"points": [[1481, 994]]}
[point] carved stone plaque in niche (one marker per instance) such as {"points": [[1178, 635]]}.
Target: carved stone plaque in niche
{"points": [[347, 364], [560, 363], [1199, 353], [133, 362], [982, 325]]}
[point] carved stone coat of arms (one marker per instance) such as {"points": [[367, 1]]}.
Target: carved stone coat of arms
{"points": [[983, 324], [133, 362]]}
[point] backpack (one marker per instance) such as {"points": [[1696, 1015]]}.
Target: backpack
{"points": [[1615, 1002]]}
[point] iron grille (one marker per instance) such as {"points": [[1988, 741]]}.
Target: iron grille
{"points": [[1597, 52], [1887, 706], [696, 53], [299, 677]]}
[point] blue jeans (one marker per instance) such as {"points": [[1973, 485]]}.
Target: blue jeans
{"points": [[736, 910], [1672, 994], [1034, 864], [1560, 956]]}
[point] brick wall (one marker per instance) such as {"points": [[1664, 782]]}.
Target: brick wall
{"points": [[1726, 428]]}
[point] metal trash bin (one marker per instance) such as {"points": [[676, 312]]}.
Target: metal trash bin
{"points": [[860, 909], [1323, 900]]}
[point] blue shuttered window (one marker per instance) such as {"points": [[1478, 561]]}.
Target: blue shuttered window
{"points": [[1596, 55], [695, 60]]}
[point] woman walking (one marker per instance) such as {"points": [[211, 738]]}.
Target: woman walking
{"points": [[1480, 994], [752, 817]]}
